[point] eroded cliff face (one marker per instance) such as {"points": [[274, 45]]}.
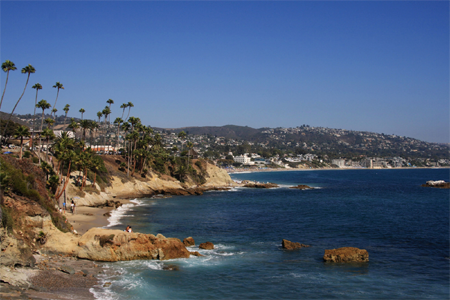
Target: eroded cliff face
{"points": [[135, 188]]}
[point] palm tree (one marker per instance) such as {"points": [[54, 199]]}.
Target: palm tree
{"points": [[48, 134], [117, 122], [38, 87], [21, 132], [85, 125], [110, 101], [182, 135], [59, 86], [49, 122], [66, 110], [54, 110], [74, 126], [123, 106], [106, 111], [42, 105], [28, 69], [6, 67], [68, 157], [82, 111], [129, 105], [93, 129], [189, 145]]}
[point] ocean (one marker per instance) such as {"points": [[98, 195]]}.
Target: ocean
{"points": [[403, 226]]}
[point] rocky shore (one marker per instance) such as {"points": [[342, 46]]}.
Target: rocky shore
{"points": [[39, 261]]}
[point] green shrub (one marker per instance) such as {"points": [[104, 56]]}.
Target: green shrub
{"points": [[27, 154], [7, 220], [35, 160]]}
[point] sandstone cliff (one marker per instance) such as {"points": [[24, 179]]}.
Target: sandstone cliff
{"points": [[154, 184]]}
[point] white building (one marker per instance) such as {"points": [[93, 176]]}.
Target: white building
{"points": [[243, 159]]}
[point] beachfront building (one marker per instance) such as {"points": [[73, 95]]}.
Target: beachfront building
{"points": [[243, 159], [338, 162]]}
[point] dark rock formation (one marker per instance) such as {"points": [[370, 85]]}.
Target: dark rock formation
{"points": [[288, 245], [301, 187], [261, 185], [195, 253], [440, 184], [346, 254], [188, 242], [206, 246]]}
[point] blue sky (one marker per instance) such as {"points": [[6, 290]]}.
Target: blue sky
{"points": [[371, 66]]}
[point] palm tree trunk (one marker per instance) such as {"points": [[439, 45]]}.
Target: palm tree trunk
{"points": [[3, 95], [65, 183], [6, 126], [21, 146], [54, 106], [34, 117]]}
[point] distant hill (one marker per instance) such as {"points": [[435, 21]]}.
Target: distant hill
{"points": [[324, 140], [227, 131], [5, 116]]}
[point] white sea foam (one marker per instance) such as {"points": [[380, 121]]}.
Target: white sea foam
{"points": [[120, 212]]}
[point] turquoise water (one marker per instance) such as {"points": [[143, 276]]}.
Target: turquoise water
{"points": [[403, 226]]}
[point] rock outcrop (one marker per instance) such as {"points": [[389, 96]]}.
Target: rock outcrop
{"points": [[288, 245], [14, 252], [216, 179], [301, 187], [206, 246], [346, 254], [116, 245], [440, 184], [189, 242], [260, 185]]}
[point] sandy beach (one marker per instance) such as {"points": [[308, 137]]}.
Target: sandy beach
{"points": [[86, 218], [49, 281]]}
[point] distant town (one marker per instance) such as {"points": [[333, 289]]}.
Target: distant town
{"points": [[299, 147]]}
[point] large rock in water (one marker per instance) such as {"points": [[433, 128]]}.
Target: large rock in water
{"points": [[346, 254], [301, 187], [206, 246], [116, 245], [189, 242], [288, 245]]}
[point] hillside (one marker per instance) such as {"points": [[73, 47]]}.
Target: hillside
{"points": [[321, 140]]}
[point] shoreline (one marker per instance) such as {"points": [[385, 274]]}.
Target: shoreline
{"points": [[323, 169]]}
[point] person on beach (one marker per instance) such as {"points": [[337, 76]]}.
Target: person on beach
{"points": [[126, 229], [64, 206], [129, 229], [72, 207]]}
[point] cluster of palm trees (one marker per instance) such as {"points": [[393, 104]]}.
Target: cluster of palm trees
{"points": [[141, 146]]}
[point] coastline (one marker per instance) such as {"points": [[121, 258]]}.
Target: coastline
{"points": [[87, 217], [322, 169]]}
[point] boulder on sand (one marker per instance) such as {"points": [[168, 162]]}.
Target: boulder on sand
{"points": [[346, 254], [288, 245], [206, 246]]}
